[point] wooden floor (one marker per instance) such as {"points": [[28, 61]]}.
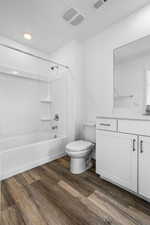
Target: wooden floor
{"points": [[51, 195]]}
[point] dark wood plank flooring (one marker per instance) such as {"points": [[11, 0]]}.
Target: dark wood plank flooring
{"points": [[51, 195]]}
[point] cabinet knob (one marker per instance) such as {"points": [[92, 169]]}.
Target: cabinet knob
{"points": [[141, 146]]}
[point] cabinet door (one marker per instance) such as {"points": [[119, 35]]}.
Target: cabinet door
{"points": [[116, 158], [144, 166]]}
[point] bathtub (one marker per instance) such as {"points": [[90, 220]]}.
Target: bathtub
{"points": [[24, 152]]}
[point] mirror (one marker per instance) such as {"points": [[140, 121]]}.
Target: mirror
{"points": [[132, 76]]}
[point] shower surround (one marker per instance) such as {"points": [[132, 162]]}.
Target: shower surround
{"points": [[31, 96]]}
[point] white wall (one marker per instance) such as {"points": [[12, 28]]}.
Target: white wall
{"points": [[99, 60], [72, 55]]}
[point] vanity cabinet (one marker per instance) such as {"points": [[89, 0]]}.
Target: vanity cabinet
{"points": [[116, 158], [124, 158]]}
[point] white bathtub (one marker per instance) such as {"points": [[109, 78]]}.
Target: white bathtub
{"points": [[23, 152]]}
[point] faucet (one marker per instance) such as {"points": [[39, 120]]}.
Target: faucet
{"points": [[54, 127]]}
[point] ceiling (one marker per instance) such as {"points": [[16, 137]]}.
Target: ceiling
{"points": [[43, 18]]}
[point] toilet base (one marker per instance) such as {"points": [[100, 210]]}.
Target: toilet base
{"points": [[79, 165]]}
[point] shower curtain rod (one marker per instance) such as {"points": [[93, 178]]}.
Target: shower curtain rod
{"points": [[33, 55]]}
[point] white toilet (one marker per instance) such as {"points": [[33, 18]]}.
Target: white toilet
{"points": [[80, 153]]}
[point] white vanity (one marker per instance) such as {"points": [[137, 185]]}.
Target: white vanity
{"points": [[123, 153], [123, 142]]}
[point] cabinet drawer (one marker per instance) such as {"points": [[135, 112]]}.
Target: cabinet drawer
{"points": [[106, 124], [134, 127]]}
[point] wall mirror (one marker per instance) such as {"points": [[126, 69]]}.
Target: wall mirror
{"points": [[132, 76]]}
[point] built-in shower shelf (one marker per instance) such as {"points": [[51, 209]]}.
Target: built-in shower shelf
{"points": [[46, 119]]}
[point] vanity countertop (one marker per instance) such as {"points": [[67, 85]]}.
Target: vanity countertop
{"points": [[124, 117]]}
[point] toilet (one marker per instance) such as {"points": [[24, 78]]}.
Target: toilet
{"points": [[80, 153]]}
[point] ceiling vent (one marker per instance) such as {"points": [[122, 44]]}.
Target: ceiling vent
{"points": [[73, 17], [99, 3], [78, 19], [70, 14]]}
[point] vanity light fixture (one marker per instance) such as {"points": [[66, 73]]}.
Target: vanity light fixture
{"points": [[27, 36]]}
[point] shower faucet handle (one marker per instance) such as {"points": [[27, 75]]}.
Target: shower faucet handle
{"points": [[56, 117], [54, 127]]}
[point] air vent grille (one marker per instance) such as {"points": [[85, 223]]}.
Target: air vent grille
{"points": [[78, 19], [73, 17], [70, 14]]}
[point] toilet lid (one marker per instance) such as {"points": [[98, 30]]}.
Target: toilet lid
{"points": [[79, 145]]}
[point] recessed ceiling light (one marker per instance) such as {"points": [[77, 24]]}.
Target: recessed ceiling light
{"points": [[15, 72], [27, 36]]}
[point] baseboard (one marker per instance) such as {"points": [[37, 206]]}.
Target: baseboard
{"points": [[33, 165]]}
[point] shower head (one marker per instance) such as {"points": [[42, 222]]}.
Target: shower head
{"points": [[54, 67]]}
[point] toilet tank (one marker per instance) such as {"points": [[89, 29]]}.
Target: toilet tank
{"points": [[89, 131]]}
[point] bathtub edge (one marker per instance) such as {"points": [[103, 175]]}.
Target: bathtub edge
{"points": [[34, 165]]}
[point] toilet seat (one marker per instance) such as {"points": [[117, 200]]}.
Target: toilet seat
{"points": [[78, 146]]}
